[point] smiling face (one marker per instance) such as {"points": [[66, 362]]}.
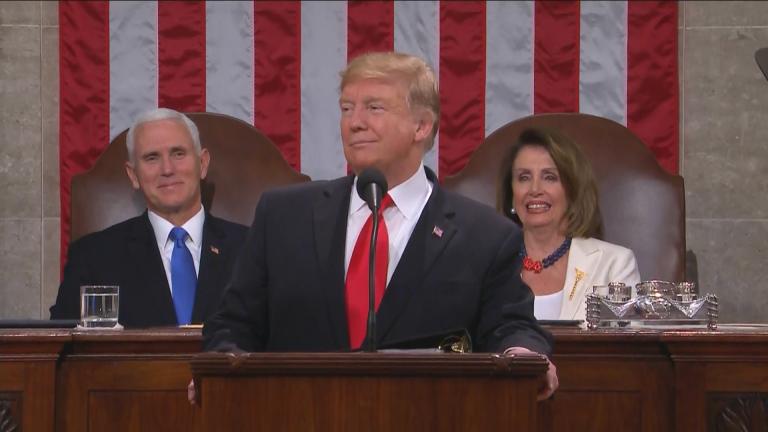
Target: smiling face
{"points": [[167, 169], [379, 130], [539, 197]]}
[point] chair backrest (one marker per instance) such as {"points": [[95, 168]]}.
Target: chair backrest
{"points": [[244, 163], [642, 206]]}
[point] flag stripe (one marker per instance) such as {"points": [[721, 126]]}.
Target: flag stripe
{"points": [[556, 56], [416, 32], [509, 63], [323, 55], [276, 64], [462, 79], [132, 62], [229, 58], [652, 87], [181, 55], [277, 72], [603, 60], [370, 27], [84, 95]]}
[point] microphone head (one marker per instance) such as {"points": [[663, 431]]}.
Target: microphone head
{"points": [[365, 186]]}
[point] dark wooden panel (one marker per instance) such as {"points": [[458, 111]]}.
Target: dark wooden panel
{"points": [[118, 411], [27, 378], [358, 404], [137, 376], [714, 373], [147, 386], [594, 411], [610, 380], [371, 392]]}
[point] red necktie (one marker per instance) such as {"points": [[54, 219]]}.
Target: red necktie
{"points": [[357, 275]]}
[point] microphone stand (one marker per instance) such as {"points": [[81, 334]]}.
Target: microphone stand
{"points": [[370, 339]]}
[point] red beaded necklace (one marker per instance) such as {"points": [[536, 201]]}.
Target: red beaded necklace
{"points": [[537, 266]]}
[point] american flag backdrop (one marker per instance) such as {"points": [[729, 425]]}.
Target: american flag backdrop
{"points": [[276, 65]]}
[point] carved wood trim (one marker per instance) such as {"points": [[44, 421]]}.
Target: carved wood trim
{"points": [[376, 364], [737, 412], [10, 411]]}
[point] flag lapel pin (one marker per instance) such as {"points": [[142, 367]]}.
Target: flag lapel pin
{"points": [[214, 249], [437, 232]]}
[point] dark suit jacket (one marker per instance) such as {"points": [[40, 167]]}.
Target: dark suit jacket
{"points": [[126, 254], [287, 289]]}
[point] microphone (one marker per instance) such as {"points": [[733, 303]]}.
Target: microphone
{"points": [[371, 186]]}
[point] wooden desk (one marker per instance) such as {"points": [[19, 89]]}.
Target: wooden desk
{"points": [[634, 380], [652, 380]]}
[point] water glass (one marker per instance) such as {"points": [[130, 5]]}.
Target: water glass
{"points": [[99, 306]]}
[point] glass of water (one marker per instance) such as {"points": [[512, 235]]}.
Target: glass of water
{"points": [[99, 305]]}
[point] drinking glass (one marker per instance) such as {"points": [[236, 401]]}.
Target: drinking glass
{"points": [[99, 306]]}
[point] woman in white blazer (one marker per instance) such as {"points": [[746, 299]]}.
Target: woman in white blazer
{"points": [[546, 185]]}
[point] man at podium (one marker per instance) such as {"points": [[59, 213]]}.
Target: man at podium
{"points": [[301, 280]]}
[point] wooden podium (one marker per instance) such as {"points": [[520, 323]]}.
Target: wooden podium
{"points": [[314, 392]]}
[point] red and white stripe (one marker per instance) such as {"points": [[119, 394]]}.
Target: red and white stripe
{"points": [[276, 65]]}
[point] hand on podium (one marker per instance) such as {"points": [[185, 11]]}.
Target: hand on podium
{"points": [[191, 392], [550, 382]]}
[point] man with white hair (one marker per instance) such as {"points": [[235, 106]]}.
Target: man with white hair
{"points": [[171, 262]]}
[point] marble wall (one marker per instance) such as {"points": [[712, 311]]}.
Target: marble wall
{"points": [[724, 154], [29, 159], [724, 151]]}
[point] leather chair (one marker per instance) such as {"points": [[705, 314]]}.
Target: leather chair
{"points": [[642, 206], [244, 163]]}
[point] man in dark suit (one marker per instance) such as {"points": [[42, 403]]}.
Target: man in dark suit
{"points": [[172, 262], [451, 262]]}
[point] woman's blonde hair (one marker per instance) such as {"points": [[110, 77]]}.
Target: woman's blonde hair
{"points": [[583, 211], [415, 73]]}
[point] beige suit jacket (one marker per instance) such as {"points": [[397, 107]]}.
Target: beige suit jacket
{"points": [[594, 262]]}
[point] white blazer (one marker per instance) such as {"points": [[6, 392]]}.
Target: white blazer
{"points": [[594, 262]]}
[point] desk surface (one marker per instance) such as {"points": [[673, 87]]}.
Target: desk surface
{"points": [[159, 334]]}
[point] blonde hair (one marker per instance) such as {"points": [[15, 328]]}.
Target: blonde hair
{"points": [[415, 73], [583, 212]]}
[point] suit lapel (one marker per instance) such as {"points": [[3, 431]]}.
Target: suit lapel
{"points": [[330, 232], [582, 264], [431, 235], [213, 257], [150, 296]]}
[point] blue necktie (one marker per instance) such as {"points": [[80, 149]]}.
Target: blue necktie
{"points": [[183, 277]]}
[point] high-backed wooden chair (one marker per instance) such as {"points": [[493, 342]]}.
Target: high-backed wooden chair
{"points": [[244, 163], [642, 206]]}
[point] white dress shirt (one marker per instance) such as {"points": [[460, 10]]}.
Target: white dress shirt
{"points": [[409, 199], [194, 241]]}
